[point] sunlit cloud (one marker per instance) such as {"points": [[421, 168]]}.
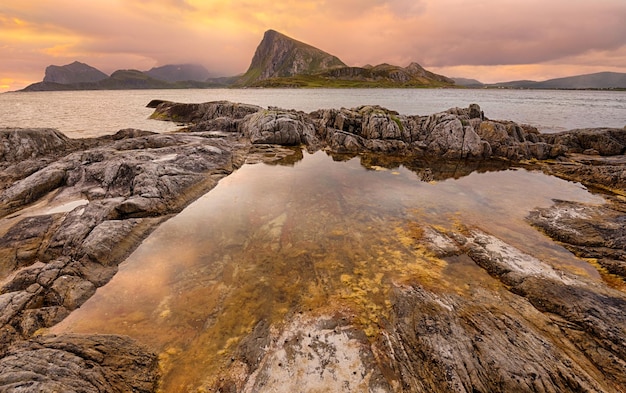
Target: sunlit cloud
{"points": [[484, 39]]}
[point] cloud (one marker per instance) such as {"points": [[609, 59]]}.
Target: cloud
{"points": [[223, 34]]}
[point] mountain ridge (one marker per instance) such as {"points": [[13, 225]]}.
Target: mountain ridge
{"points": [[597, 80], [281, 61]]}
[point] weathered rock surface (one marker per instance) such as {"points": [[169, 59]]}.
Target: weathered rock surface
{"points": [[51, 263], [459, 133], [593, 232], [76, 363]]}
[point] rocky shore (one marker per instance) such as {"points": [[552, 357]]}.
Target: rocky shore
{"points": [[71, 210]]}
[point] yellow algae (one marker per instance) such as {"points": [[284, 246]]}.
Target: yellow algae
{"points": [[612, 280]]}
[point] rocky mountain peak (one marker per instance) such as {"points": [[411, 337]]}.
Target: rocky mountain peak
{"points": [[75, 72], [281, 56]]}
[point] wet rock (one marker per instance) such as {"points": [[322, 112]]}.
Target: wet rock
{"points": [[325, 353], [196, 113], [594, 232], [32, 188], [77, 363], [598, 172], [22, 243], [447, 343]]}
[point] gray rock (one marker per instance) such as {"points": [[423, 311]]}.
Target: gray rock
{"points": [[596, 232], [17, 144], [279, 127]]}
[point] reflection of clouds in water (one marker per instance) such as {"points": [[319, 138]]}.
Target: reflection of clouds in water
{"points": [[269, 240]]}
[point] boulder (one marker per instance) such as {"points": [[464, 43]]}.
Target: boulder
{"points": [[279, 127]]}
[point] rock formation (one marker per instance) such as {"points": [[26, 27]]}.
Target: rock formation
{"points": [[525, 326], [75, 72], [280, 56]]}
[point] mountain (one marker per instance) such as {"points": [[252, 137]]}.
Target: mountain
{"points": [[75, 72], [279, 56], [122, 80], [281, 61], [600, 80], [468, 82], [179, 73]]}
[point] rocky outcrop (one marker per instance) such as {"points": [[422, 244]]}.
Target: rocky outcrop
{"points": [[596, 233], [76, 363], [20, 144], [75, 72], [598, 141], [456, 133], [125, 185], [280, 56]]}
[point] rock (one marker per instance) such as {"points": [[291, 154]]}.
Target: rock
{"points": [[594, 232], [447, 136], [17, 144], [77, 363], [279, 127], [608, 173], [445, 343], [605, 141], [326, 353], [22, 244], [195, 113], [135, 179]]}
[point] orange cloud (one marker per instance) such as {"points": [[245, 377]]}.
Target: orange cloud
{"points": [[486, 39]]}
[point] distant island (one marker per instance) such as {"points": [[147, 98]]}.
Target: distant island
{"points": [[599, 80], [281, 61]]}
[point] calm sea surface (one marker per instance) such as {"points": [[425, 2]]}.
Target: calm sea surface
{"points": [[92, 113]]}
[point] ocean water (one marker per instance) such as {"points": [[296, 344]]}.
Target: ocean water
{"points": [[92, 113]]}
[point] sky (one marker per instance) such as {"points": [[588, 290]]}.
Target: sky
{"points": [[488, 40]]}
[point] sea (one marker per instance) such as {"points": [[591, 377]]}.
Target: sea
{"points": [[93, 113]]}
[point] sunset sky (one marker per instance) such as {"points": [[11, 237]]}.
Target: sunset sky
{"points": [[488, 40]]}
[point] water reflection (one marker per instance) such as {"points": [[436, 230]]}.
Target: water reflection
{"points": [[315, 234]]}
